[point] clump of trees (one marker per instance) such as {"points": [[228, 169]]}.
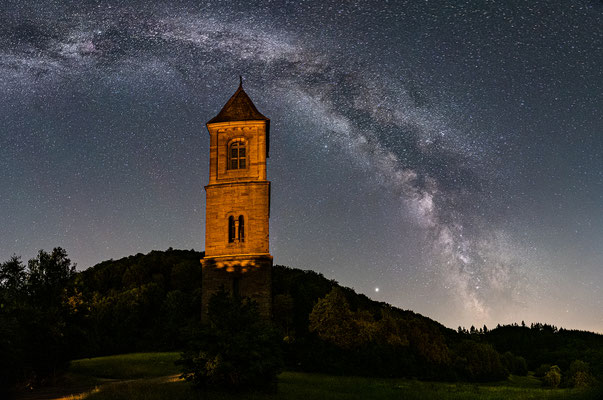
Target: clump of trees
{"points": [[236, 349], [333, 321], [423, 346], [50, 313], [516, 365], [479, 362], [577, 375], [145, 302], [37, 322]]}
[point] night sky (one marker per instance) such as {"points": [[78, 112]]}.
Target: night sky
{"points": [[445, 157]]}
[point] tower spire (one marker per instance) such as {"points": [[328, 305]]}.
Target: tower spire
{"points": [[238, 108]]}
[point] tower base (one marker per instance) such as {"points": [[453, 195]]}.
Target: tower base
{"points": [[247, 276]]}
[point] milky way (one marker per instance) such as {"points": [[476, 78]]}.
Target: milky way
{"points": [[449, 154]]}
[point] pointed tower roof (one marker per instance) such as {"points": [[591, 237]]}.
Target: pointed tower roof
{"points": [[238, 108]]}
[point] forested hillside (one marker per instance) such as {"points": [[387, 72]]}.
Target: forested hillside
{"points": [[50, 314]]}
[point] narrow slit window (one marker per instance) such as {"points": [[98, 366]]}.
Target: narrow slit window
{"points": [[231, 229], [237, 155], [241, 229]]}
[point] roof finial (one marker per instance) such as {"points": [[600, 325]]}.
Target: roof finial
{"points": [[240, 81]]}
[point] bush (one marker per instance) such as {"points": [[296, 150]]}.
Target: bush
{"points": [[553, 377], [479, 362], [514, 364], [579, 375], [237, 349], [541, 371]]}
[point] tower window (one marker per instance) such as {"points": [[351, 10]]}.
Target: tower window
{"points": [[231, 229], [241, 229], [236, 229], [237, 155]]}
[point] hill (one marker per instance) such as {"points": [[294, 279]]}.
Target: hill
{"points": [[151, 302], [148, 302]]}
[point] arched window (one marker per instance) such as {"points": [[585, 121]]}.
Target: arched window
{"points": [[237, 155], [231, 229], [236, 229], [241, 229]]}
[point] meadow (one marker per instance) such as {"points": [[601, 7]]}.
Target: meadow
{"points": [[151, 376]]}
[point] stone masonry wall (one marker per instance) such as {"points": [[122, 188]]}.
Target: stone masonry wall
{"points": [[255, 282]]}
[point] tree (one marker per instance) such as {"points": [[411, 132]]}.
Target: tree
{"points": [[237, 349], [389, 330], [34, 333], [282, 311], [514, 364], [428, 342], [553, 377], [48, 276], [333, 321], [12, 277], [480, 362], [579, 374], [12, 281], [541, 371]]}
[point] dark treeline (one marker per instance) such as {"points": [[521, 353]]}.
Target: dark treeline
{"points": [[50, 314], [37, 323]]}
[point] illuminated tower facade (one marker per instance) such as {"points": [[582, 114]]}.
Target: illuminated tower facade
{"points": [[237, 209]]}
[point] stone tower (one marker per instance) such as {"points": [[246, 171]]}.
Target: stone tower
{"points": [[238, 205]]}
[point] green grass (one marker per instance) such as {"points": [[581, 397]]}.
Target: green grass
{"points": [[127, 366], [146, 377]]}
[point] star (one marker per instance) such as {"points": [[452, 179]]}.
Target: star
{"points": [[434, 146]]}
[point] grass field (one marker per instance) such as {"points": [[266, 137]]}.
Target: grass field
{"points": [[127, 366], [153, 376]]}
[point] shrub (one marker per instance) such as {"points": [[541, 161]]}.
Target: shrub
{"points": [[553, 377], [515, 364], [579, 374], [541, 371], [479, 362], [237, 349]]}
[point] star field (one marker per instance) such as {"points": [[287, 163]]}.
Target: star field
{"points": [[446, 158]]}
